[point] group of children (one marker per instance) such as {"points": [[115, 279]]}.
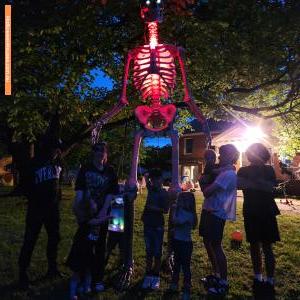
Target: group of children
{"points": [[219, 184]]}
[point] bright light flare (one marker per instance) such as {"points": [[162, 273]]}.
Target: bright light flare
{"points": [[251, 135]]}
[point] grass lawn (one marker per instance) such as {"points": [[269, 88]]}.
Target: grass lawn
{"points": [[12, 215]]}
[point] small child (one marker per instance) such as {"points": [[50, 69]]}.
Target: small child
{"points": [[210, 158], [184, 220], [157, 204], [211, 169], [259, 209], [82, 256]]}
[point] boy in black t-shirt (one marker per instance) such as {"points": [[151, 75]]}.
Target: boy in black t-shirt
{"points": [[42, 188], [259, 208]]}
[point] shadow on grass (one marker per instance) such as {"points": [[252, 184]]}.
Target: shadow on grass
{"points": [[40, 289]]}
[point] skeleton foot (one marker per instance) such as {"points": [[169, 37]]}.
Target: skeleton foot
{"points": [[168, 264]]}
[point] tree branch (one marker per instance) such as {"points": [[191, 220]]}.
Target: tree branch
{"points": [[257, 87]]}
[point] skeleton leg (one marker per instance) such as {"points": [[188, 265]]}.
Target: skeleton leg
{"points": [[174, 190], [126, 273], [103, 120], [132, 182]]}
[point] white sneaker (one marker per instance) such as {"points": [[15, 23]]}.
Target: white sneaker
{"points": [[147, 282], [99, 287], [155, 283]]}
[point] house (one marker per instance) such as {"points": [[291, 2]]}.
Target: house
{"points": [[192, 144]]}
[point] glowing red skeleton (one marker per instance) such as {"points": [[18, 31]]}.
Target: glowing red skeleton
{"points": [[154, 75]]}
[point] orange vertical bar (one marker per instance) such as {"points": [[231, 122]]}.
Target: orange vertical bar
{"points": [[7, 58]]}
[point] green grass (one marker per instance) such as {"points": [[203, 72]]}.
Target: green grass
{"points": [[12, 216]]}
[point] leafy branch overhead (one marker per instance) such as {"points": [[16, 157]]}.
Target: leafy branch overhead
{"points": [[242, 57]]}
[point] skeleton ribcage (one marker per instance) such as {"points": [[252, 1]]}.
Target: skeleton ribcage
{"points": [[154, 72]]}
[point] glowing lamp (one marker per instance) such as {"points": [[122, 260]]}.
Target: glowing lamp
{"points": [[116, 222]]}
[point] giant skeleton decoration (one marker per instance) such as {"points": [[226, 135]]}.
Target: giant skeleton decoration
{"points": [[154, 75]]}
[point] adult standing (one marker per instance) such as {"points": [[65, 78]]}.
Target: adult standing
{"points": [[97, 181], [42, 188], [260, 210]]}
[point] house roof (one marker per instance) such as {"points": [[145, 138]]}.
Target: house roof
{"points": [[213, 126]]}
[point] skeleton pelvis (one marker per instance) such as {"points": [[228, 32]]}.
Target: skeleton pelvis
{"points": [[155, 119]]}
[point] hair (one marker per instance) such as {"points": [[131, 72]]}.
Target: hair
{"points": [[257, 153], [210, 154], [230, 151], [101, 144], [187, 201]]}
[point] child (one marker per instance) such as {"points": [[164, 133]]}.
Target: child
{"points": [[184, 220], [157, 204], [82, 255], [211, 169], [219, 205], [259, 208]]}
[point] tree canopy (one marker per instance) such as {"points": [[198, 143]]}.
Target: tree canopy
{"points": [[242, 59]]}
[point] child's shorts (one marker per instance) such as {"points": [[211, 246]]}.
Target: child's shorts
{"points": [[154, 237], [211, 227]]}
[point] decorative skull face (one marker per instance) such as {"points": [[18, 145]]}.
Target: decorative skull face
{"points": [[151, 10]]}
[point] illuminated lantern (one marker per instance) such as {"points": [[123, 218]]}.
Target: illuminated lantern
{"points": [[236, 239], [116, 222]]}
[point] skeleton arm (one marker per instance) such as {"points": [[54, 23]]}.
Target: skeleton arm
{"points": [[117, 108], [188, 97]]}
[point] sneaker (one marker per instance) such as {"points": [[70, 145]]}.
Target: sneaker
{"points": [[220, 289], [210, 281], [147, 282], [99, 287], [155, 283]]}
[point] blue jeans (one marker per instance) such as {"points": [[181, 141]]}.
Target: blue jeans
{"points": [[154, 237], [182, 260]]}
